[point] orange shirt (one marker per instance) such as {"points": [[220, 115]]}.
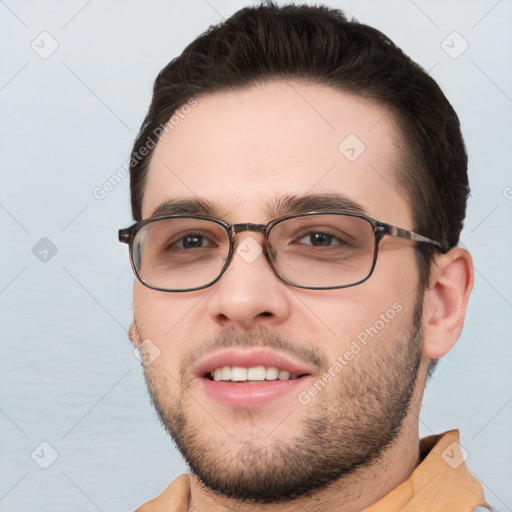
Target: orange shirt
{"points": [[441, 483]]}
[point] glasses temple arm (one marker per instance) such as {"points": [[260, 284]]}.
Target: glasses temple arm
{"points": [[410, 235], [125, 235]]}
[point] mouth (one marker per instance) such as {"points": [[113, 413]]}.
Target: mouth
{"points": [[250, 378], [252, 375]]}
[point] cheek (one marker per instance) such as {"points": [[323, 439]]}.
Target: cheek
{"points": [[166, 319], [373, 310], [161, 313], [396, 273]]}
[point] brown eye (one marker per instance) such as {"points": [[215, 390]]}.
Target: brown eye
{"points": [[319, 239], [192, 242]]}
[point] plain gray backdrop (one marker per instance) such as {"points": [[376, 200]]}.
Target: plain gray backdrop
{"points": [[75, 82]]}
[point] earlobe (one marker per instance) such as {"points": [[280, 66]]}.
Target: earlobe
{"points": [[133, 334], [446, 301]]}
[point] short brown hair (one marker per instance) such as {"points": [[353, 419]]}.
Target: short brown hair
{"points": [[320, 45]]}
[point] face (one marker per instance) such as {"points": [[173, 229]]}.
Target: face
{"points": [[348, 357]]}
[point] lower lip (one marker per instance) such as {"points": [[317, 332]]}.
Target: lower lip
{"points": [[242, 394]]}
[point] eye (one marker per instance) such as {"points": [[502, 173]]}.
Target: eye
{"points": [[319, 239], [192, 241]]}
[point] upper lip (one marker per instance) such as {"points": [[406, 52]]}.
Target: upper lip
{"points": [[249, 358]]}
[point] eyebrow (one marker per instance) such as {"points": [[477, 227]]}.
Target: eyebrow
{"points": [[186, 207], [314, 203], [287, 205]]}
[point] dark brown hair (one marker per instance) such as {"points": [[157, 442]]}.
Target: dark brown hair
{"points": [[320, 45]]}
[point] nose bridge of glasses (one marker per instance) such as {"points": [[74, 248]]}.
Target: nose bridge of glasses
{"points": [[240, 228], [255, 228]]}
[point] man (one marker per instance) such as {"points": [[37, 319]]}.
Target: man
{"points": [[299, 187]]}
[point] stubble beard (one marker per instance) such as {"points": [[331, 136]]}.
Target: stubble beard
{"points": [[352, 422]]}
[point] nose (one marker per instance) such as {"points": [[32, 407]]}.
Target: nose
{"points": [[249, 294]]}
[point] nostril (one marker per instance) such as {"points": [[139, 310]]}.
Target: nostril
{"points": [[265, 313]]}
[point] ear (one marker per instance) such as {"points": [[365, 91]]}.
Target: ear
{"points": [[445, 301], [134, 335]]}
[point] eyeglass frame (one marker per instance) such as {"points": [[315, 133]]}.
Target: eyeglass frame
{"points": [[380, 230]]}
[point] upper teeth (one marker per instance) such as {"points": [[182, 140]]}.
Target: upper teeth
{"points": [[255, 373]]}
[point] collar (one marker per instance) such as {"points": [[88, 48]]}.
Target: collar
{"points": [[441, 482]]}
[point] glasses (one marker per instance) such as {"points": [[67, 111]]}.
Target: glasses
{"points": [[313, 250]]}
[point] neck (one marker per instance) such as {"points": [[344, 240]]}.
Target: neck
{"points": [[393, 467]]}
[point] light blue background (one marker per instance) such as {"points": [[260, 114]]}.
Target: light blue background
{"points": [[68, 374]]}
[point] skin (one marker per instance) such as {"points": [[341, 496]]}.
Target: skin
{"points": [[241, 151]]}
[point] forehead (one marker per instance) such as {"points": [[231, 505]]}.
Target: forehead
{"points": [[243, 150]]}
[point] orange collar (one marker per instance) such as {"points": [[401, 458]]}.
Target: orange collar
{"points": [[441, 482]]}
